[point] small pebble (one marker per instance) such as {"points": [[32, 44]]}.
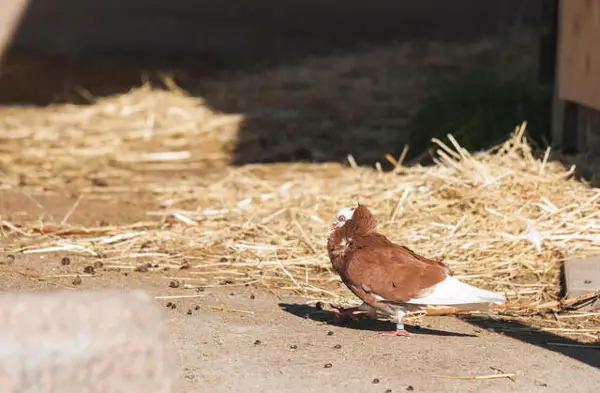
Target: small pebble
{"points": [[77, 281], [197, 308], [223, 259], [330, 333], [388, 390], [99, 183], [337, 346], [184, 266], [98, 264], [376, 380], [328, 365], [169, 304], [10, 258], [126, 274], [174, 284], [257, 342], [410, 388], [173, 306], [293, 347], [65, 261], [189, 312], [252, 297], [200, 289], [89, 270]]}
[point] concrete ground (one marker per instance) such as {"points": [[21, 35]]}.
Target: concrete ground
{"points": [[290, 347]]}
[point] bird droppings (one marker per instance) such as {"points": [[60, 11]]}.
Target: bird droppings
{"points": [[98, 265], [189, 312], [328, 365], [409, 388], [143, 268], [89, 270], [319, 306], [197, 308], [337, 346], [330, 333], [77, 280], [375, 380], [174, 284], [64, 261], [294, 347], [257, 342]]}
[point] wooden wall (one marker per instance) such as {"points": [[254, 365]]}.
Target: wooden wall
{"points": [[579, 53]]}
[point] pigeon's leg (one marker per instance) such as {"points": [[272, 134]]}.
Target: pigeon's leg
{"points": [[399, 326]]}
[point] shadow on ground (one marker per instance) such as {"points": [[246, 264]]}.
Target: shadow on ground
{"points": [[328, 317], [314, 81]]}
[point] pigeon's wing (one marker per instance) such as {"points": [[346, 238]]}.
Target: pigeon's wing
{"points": [[391, 274]]}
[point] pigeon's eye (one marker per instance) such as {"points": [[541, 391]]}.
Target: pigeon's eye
{"points": [[342, 218]]}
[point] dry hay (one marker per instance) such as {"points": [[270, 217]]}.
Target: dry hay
{"points": [[105, 141]]}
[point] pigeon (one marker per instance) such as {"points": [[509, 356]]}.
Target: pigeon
{"points": [[392, 279]]}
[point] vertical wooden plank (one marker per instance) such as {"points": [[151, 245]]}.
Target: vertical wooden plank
{"points": [[564, 113]]}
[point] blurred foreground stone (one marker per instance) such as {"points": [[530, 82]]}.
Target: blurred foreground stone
{"points": [[67, 341]]}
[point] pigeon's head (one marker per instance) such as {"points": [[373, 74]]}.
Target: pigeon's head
{"points": [[342, 217]]}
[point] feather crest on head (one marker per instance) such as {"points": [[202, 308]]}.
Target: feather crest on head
{"points": [[356, 220]]}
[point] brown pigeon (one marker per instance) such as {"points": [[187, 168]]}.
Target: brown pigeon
{"points": [[390, 278]]}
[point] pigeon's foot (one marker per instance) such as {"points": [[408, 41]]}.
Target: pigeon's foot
{"points": [[347, 314], [399, 332]]}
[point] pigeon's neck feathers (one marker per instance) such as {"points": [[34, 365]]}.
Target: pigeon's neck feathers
{"points": [[336, 248]]}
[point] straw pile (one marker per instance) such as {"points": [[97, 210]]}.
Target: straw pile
{"points": [[502, 219]]}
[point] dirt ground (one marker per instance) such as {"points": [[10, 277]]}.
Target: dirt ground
{"points": [[244, 338]]}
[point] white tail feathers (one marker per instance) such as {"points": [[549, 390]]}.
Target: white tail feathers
{"points": [[452, 292]]}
